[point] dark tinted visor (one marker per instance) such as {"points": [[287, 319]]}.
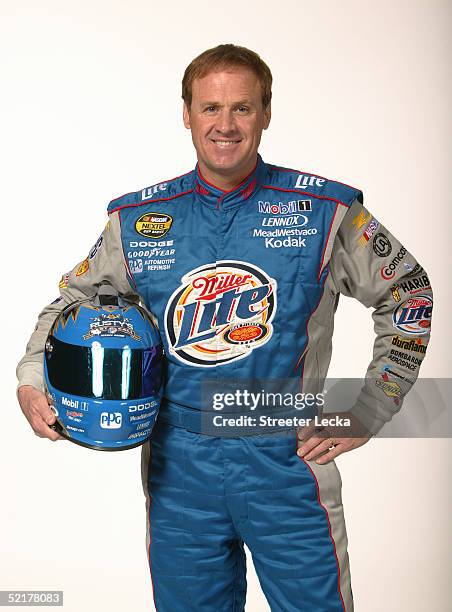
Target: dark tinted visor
{"points": [[104, 373]]}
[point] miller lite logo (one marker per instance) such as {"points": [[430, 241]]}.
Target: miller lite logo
{"points": [[414, 315], [221, 312], [309, 180]]}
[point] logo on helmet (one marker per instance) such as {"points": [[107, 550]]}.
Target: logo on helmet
{"points": [[111, 325], [110, 420]]}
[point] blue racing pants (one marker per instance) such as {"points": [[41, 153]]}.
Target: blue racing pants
{"points": [[207, 496]]}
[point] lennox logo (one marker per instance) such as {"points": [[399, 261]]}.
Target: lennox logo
{"points": [[304, 181], [110, 420], [297, 220]]}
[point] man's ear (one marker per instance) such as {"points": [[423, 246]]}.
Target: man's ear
{"points": [[267, 115], [186, 115]]}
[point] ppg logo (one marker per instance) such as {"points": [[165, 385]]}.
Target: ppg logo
{"points": [[110, 420]]}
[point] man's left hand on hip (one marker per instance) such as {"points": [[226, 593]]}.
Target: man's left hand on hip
{"points": [[326, 443]]}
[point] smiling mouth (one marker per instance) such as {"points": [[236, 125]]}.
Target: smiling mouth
{"points": [[224, 144]]}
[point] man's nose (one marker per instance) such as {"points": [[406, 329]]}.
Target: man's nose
{"points": [[225, 122]]}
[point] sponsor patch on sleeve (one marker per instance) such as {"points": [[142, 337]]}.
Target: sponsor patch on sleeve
{"points": [[95, 248], [83, 267], [64, 281]]}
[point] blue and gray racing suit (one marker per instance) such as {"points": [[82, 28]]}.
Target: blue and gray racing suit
{"points": [[244, 285]]}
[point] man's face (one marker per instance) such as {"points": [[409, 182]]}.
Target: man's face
{"points": [[226, 119]]}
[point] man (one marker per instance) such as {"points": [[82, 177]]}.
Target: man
{"points": [[242, 264]]}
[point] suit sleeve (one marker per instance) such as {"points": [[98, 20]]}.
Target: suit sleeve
{"points": [[371, 265], [104, 263]]}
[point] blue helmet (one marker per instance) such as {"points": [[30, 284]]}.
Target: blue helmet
{"points": [[103, 368]]}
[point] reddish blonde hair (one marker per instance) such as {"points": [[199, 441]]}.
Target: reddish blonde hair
{"points": [[225, 56]]}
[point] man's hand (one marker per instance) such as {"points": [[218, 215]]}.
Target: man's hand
{"points": [[37, 411], [325, 444]]}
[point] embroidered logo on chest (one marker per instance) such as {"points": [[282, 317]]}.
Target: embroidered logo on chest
{"points": [[221, 312]]}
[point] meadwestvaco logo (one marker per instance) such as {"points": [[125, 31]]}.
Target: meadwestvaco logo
{"points": [[221, 312]]}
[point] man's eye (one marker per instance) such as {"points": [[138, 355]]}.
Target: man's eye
{"points": [[210, 109], [242, 109]]}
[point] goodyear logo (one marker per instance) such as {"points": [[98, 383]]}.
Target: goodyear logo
{"points": [[153, 225]]}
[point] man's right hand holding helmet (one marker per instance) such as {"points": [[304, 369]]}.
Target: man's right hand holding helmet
{"points": [[104, 263], [38, 412]]}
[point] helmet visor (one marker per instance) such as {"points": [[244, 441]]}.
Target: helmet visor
{"points": [[104, 373]]}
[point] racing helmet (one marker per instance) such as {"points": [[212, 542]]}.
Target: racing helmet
{"points": [[103, 371]]}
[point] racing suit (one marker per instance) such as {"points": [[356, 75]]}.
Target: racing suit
{"points": [[244, 285]]}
